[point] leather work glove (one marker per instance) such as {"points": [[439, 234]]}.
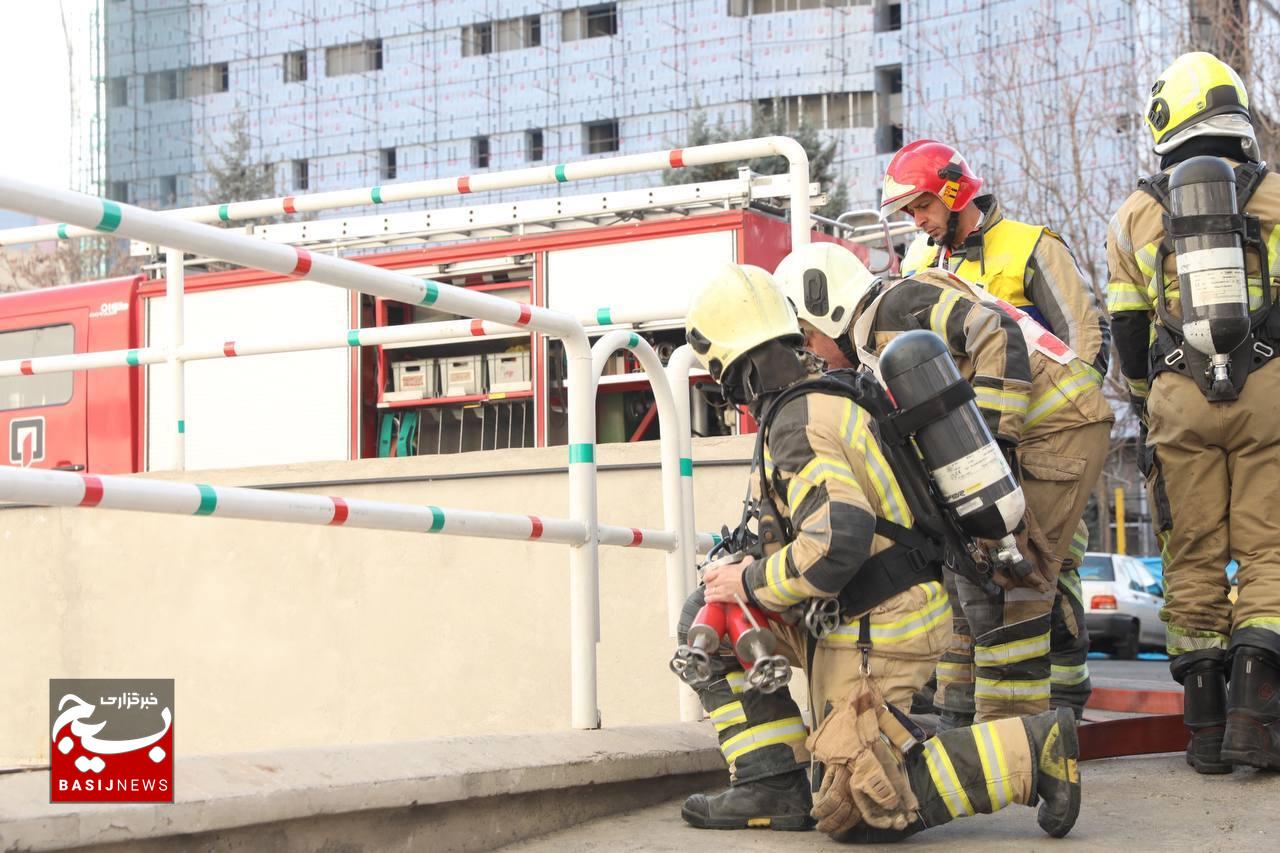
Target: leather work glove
{"points": [[881, 790], [1036, 555], [863, 778], [833, 805]]}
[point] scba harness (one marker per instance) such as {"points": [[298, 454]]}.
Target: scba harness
{"points": [[919, 553], [1170, 350]]}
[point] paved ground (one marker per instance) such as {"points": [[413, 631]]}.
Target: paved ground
{"points": [[1130, 805]]}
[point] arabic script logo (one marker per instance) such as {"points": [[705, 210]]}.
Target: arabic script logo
{"points": [[111, 740]]}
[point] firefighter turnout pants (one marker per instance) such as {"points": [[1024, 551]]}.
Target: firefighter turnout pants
{"points": [[1212, 487], [1015, 651], [763, 734]]}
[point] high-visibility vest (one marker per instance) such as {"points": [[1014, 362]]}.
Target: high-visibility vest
{"points": [[1006, 250]]}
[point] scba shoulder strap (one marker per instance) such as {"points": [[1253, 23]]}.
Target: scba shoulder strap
{"points": [[915, 556]]}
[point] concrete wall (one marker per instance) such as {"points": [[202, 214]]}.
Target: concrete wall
{"points": [[285, 636]]}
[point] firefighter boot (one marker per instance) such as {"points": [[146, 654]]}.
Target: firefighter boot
{"points": [[1055, 753], [774, 802], [1253, 708], [1204, 707]]}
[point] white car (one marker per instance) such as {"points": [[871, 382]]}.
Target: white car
{"points": [[1122, 602]]}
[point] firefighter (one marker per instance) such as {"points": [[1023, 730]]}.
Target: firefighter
{"points": [[1213, 437], [821, 474], [1031, 268], [1045, 407]]}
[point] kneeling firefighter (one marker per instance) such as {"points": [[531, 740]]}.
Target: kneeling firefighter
{"points": [[1194, 256], [1046, 409], [836, 524]]}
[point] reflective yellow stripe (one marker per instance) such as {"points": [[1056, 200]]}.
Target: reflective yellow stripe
{"points": [[945, 780], [737, 681], [1180, 640], [935, 611], [948, 671], [997, 400], [1271, 623], [775, 577], [1081, 381], [994, 770], [728, 715], [990, 688], [789, 730], [1070, 581], [1068, 675], [819, 470], [892, 502], [942, 311], [1012, 652], [1123, 296]]}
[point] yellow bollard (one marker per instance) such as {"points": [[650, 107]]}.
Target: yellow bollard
{"points": [[1120, 531]]}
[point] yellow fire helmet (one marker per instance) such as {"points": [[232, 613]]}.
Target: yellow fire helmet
{"points": [[737, 310], [825, 282], [1198, 95]]}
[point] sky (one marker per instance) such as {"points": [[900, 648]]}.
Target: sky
{"points": [[35, 144]]}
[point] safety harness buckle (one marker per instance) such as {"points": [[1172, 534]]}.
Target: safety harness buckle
{"points": [[1174, 357], [864, 643], [1263, 350]]}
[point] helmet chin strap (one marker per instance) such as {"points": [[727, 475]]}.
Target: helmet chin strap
{"points": [[949, 238]]}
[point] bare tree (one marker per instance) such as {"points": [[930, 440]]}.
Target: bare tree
{"points": [[1243, 34], [1050, 115], [77, 259]]}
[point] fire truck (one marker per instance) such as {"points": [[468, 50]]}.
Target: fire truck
{"points": [[584, 255]]}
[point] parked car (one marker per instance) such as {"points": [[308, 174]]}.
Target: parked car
{"points": [[1122, 605]]}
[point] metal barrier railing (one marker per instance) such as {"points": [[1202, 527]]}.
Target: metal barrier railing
{"points": [[674, 158], [178, 235]]}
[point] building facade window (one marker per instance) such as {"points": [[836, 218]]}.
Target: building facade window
{"points": [[889, 135], [888, 16], [354, 58], [827, 111], [494, 36], [534, 149], [208, 79], [118, 92], [480, 152], [168, 195], [118, 191], [301, 175], [295, 66], [601, 137], [742, 8], [589, 22], [161, 86], [387, 164]]}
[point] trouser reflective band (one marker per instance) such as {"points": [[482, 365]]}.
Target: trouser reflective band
{"points": [[1068, 675], [728, 715], [1014, 651], [1012, 670], [1182, 640], [975, 770], [787, 731], [1079, 545], [946, 781], [1269, 623], [1069, 648], [761, 734]]}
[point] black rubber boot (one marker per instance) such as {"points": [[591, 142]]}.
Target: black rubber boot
{"points": [[1253, 709], [775, 802], [1055, 755], [1204, 707]]}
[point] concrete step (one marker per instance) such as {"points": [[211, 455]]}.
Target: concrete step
{"points": [[1130, 805], [449, 794]]}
